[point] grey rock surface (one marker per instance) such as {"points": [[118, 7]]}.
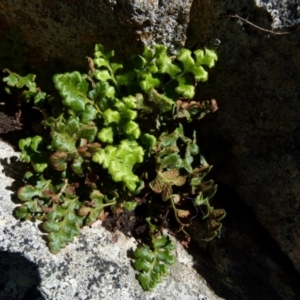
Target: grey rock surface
{"points": [[253, 139], [285, 13], [94, 266]]}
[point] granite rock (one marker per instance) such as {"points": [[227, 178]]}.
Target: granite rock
{"points": [[285, 13]]}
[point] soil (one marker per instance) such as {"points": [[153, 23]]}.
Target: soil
{"points": [[130, 223], [16, 120]]}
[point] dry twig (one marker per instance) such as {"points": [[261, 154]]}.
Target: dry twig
{"points": [[260, 28]]}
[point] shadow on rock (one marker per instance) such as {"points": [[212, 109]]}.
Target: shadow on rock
{"points": [[15, 169], [19, 278], [244, 262]]}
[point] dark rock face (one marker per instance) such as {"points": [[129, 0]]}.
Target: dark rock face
{"points": [[244, 262], [253, 140], [20, 277], [67, 30]]}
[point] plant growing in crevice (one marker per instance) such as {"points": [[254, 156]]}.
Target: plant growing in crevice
{"points": [[112, 136]]}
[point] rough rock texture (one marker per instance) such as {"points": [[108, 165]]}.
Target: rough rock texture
{"points": [[67, 30], [95, 266], [285, 13], [253, 140]]}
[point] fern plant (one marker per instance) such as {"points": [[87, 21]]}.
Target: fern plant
{"points": [[113, 135]]}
